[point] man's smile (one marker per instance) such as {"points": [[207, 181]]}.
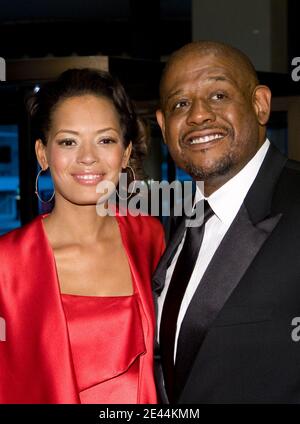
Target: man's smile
{"points": [[205, 139]]}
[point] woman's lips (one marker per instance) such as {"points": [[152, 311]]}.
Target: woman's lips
{"points": [[88, 178]]}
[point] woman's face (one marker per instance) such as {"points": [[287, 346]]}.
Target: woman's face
{"points": [[84, 147]]}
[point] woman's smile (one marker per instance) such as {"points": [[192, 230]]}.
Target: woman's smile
{"points": [[88, 178]]}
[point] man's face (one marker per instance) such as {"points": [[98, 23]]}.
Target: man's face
{"points": [[212, 117]]}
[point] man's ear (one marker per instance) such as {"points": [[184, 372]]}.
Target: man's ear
{"points": [[40, 151], [161, 122], [262, 103]]}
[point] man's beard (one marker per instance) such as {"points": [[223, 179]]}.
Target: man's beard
{"points": [[222, 167]]}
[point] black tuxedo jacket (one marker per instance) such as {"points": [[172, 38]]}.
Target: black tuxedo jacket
{"points": [[235, 344]]}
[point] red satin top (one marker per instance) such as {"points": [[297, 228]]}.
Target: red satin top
{"points": [[36, 360], [107, 340]]}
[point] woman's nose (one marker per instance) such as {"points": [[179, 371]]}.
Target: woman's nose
{"points": [[87, 155]]}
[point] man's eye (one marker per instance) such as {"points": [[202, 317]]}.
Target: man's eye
{"points": [[218, 96], [181, 104]]}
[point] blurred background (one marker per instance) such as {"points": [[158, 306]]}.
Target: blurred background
{"points": [[132, 39]]}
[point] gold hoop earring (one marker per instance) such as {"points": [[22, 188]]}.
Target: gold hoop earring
{"points": [[37, 189], [133, 188]]}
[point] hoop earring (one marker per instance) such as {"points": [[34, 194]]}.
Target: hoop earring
{"points": [[37, 190], [133, 188]]}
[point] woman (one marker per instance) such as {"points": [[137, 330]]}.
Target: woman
{"points": [[75, 288]]}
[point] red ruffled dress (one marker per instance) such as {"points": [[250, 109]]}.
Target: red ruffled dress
{"points": [[107, 340]]}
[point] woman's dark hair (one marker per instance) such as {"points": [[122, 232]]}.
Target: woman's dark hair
{"points": [[78, 82]]}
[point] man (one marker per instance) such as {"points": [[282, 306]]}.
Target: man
{"points": [[228, 336]]}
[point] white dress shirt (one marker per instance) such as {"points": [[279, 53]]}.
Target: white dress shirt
{"points": [[225, 203]]}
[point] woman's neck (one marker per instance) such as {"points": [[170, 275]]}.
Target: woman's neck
{"points": [[69, 223]]}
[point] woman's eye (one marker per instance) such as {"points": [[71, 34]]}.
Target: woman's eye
{"points": [[106, 140], [67, 142]]}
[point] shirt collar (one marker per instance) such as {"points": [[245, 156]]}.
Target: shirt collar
{"points": [[227, 200]]}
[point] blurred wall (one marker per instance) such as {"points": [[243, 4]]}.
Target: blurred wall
{"points": [[257, 27]]}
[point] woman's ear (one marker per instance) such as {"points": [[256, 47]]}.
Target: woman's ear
{"points": [[126, 155], [40, 151], [262, 103]]}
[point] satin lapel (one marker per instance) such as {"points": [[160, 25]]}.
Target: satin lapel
{"points": [[37, 364], [136, 258], [139, 258], [224, 271], [55, 336]]}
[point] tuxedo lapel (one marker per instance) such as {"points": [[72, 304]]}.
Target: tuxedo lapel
{"points": [[251, 228], [158, 284], [176, 231], [223, 274], [160, 273]]}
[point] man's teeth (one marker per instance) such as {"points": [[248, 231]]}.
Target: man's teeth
{"points": [[206, 138]]}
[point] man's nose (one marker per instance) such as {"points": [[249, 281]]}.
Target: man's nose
{"points": [[200, 113], [87, 155]]}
